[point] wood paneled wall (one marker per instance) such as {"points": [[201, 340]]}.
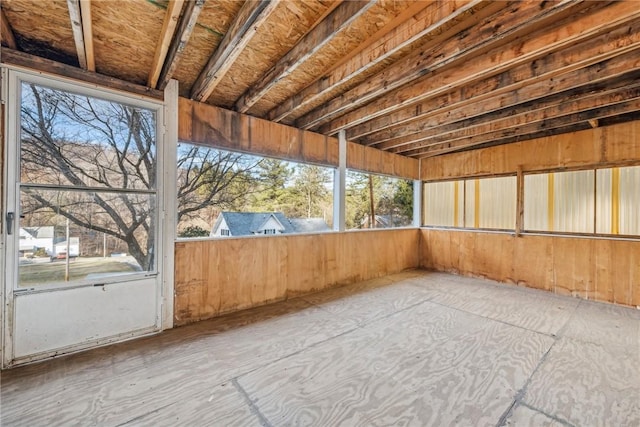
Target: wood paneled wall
{"points": [[216, 127], [224, 275], [597, 269], [611, 145], [600, 269]]}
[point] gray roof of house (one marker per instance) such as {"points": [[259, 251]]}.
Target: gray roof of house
{"points": [[247, 223]]}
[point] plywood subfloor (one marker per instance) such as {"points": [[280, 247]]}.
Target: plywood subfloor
{"points": [[416, 348]]}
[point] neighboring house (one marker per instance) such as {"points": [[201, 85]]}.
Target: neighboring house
{"points": [[34, 238], [231, 224]]}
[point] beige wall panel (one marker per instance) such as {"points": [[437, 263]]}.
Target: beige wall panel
{"points": [[598, 269], [214, 277], [531, 262]]}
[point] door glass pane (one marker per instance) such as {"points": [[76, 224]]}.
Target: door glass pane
{"points": [[69, 139], [92, 236]]}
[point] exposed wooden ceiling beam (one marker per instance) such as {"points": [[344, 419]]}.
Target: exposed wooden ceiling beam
{"points": [[180, 38], [512, 87], [250, 17], [6, 32], [313, 41], [22, 59], [593, 60], [574, 29], [495, 122], [87, 34], [411, 141], [490, 32], [166, 34], [437, 17], [520, 129], [78, 35]]}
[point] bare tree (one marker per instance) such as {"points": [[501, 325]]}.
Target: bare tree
{"points": [[94, 162]]}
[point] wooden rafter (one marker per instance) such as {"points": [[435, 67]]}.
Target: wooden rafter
{"points": [[168, 28], [493, 31], [594, 60], [578, 27], [337, 21], [612, 106], [6, 32], [87, 34], [181, 36], [250, 17], [436, 18], [615, 93], [78, 35], [412, 141]]}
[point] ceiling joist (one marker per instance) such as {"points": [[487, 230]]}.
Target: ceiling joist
{"points": [[81, 25], [337, 21], [588, 62], [168, 29], [179, 42], [492, 123], [251, 16], [573, 29], [529, 130], [427, 24], [425, 66]]}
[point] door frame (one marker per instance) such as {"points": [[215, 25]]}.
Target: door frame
{"points": [[166, 141]]}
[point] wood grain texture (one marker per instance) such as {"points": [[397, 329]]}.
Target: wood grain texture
{"points": [[588, 385], [616, 144], [596, 269], [426, 365], [380, 352], [216, 127], [224, 275]]}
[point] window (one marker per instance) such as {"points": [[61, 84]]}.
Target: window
{"points": [[444, 204], [376, 201], [221, 193], [560, 201], [618, 201], [491, 203], [88, 185], [488, 203]]}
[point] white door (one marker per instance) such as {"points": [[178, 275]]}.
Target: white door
{"points": [[82, 219]]}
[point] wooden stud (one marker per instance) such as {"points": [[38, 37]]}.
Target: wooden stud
{"points": [[166, 34], [250, 17], [181, 37], [312, 42], [6, 32]]}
